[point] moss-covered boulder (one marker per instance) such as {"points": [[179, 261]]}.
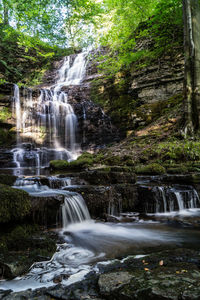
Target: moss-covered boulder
{"points": [[14, 204], [83, 161]]}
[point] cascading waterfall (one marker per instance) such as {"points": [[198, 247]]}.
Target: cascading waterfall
{"points": [[48, 120], [74, 210], [170, 199]]}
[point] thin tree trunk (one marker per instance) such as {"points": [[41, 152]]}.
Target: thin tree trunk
{"points": [[196, 37], [5, 13], [188, 77]]}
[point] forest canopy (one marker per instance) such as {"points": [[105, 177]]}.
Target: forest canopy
{"points": [[80, 23]]}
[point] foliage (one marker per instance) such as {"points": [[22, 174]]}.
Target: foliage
{"points": [[81, 18], [156, 34], [24, 58], [5, 114], [14, 204], [37, 18]]}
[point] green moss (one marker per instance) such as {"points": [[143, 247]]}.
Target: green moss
{"points": [[152, 111], [177, 150], [7, 179], [5, 114], [14, 204], [113, 160], [59, 164], [151, 169], [112, 95], [7, 137], [21, 246], [83, 161], [177, 170]]}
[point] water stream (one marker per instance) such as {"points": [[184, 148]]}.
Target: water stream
{"points": [[87, 242]]}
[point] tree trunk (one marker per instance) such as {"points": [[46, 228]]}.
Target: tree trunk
{"points": [[191, 17], [196, 35], [5, 13]]}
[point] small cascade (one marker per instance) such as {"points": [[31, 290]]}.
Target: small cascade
{"points": [[58, 182], [17, 111], [30, 185], [169, 199], [74, 210], [115, 209], [48, 120]]}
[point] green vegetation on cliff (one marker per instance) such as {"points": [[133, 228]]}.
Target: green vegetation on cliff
{"points": [[24, 59]]}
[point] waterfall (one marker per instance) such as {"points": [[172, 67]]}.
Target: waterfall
{"points": [[168, 199], [17, 111], [49, 119], [59, 182], [74, 210]]}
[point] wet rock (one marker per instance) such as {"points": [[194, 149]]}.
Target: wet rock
{"points": [[45, 209], [174, 279], [109, 283], [4, 293], [29, 295], [97, 198], [85, 289], [111, 199], [6, 159], [108, 176]]}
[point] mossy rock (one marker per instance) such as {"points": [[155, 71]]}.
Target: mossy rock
{"points": [[83, 161], [177, 170], [7, 137], [14, 204], [21, 247], [7, 179], [151, 169], [59, 164]]}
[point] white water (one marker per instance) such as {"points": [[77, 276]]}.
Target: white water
{"points": [[48, 120], [74, 210], [173, 199], [17, 111]]}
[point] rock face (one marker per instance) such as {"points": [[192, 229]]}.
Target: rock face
{"points": [[158, 82], [131, 97]]}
